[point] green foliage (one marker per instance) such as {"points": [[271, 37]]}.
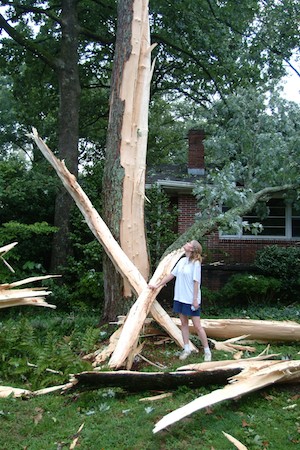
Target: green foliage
{"points": [[32, 345], [245, 290], [53, 340], [238, 139], [31, 255], [161, 219], [283, 263]]}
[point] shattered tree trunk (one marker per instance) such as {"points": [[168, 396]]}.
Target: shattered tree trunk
{"points": [[124, 173], [120, 260]]}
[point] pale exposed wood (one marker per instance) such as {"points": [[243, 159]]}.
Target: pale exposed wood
{"points": [[234, 441], [138, 313], [135, 92], [249, 380], [230, 345], [156, 397], [100, 230], [35, 296], [75, 440], [258, 330], [26, 302], [255, 330], [7, 391], [120, 260], [3, 251], [6, 248]]}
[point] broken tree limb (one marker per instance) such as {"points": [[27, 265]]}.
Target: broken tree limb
{"points": [[215, 372], [256, 330], [8, 391], [150, 381], [3, 251], [234, 441], [139, 311], [93, 219], [23, 297], [249, 380], [100, 230]]}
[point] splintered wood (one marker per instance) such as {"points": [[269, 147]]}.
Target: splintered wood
{"points": [[252, 378], [10, 296]]}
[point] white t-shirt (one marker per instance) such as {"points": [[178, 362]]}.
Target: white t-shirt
{"points": [[186, 273]]}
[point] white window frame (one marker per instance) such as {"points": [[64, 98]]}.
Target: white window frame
{"points": [[287, 236]]}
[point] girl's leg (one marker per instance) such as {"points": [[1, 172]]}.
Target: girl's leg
{"points": [[185, 329], [202, 336]]}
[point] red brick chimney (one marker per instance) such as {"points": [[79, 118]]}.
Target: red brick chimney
{"points": [[196, 152]]}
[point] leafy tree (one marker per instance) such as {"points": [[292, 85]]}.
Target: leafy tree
{"points": [[252, 153], [60, 24]]}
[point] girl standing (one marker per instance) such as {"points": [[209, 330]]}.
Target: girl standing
{"points": [[187, 295]]}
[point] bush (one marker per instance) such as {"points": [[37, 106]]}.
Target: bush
{"points": [[245, 290], [282, 263]]}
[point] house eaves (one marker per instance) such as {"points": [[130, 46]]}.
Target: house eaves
{"points": [[182, 187]]}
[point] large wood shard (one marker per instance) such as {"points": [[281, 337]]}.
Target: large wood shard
{"points": [[249, 380], [139, 311], [135, 93], [9, 296], [102, 233], [254, 330]]}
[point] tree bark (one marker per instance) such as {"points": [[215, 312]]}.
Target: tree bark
{"points": [[124, 174], [68, 131]]}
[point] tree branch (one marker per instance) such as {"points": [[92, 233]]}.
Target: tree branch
{"points": [[203, 227], [28, 44]]}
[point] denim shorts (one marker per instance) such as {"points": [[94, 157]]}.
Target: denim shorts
{"points": [[185, 309]]}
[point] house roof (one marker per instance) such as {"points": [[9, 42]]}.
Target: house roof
{"points": [[172, 177]]}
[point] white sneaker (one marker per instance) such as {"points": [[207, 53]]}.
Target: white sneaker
{"points": [[184, 354], [207, 357]]}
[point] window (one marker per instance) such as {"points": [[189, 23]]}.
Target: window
{"points": [[283, 222]]}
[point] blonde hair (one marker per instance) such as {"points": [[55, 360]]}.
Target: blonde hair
{"points": [[196, 253]]}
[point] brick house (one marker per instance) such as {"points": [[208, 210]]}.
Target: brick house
{"points": [[235, 253]]}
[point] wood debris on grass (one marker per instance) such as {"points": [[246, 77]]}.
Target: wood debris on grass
{"points": [[234, 441], [250, 379]]}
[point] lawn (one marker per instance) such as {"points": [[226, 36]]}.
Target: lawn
{"points": [[115, 419]]}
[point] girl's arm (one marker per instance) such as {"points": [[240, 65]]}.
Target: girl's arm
{"points": [[163, 282]]}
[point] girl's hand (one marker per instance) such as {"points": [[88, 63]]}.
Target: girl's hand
{"points": [[196, 305]]}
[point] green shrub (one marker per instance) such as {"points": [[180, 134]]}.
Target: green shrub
{"points": [[282, 263], [32, 254], [249, 289]]}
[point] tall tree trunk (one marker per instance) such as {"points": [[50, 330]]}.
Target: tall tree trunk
{"points": [[68, 133], [124, 174]]}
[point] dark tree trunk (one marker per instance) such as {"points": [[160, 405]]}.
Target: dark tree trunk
{"points": [[114, 173], [69, 104], [153, 381]]}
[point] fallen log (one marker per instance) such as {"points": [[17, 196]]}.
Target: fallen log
{"points": [[215, 372], [255, 330], [133, 381], [249, 380]]}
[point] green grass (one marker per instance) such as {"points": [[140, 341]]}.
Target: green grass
{"points": [[114, 419]]}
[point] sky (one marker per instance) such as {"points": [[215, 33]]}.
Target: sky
{"points": [[292, 86]]}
